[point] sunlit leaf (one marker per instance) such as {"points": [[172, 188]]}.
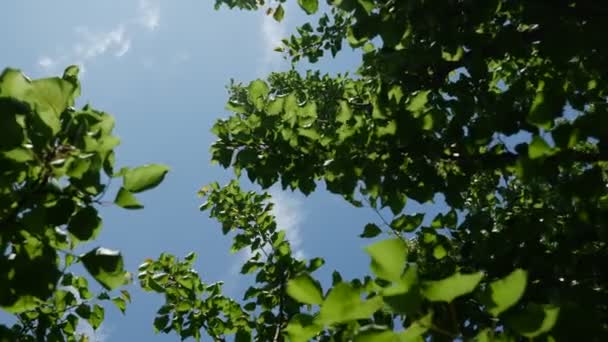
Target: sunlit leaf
{"points": [[145, 177], [305, 290], [448, 289], [309, 6], [504, 293], [388, 258], [126, 199]]}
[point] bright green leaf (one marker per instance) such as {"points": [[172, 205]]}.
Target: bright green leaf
{"points": [[302, 328], [538, 148], [258, 91], [418, 102], [377, 336], [309, 6], [125, 199], [446, 290], [305, 290], [343, 304], [504, 293], [416, 330], [388, 258]]}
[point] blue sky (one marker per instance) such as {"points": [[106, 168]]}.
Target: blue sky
{"points": [[161, 67]]}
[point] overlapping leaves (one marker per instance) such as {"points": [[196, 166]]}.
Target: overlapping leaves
{"points": [[55, 163]]}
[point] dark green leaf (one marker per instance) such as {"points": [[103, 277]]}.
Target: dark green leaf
{"points": [[106, 266], [371, 230], [85, 224]]}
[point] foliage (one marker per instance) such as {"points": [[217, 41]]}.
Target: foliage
{"points": [[56, 163], [498, 108], [495, 108]]}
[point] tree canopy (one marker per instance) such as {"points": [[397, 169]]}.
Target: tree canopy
{"points": [[494, 107]]}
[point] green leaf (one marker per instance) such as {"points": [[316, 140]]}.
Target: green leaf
{"points": [[535, 320], [547, 104], [305, 290], [309, 133], [439, 252], [160, 322], [145, 177], [309, 6], [418, 102], [12, 132], [47, 97], [389, 129], [302, 328], [407, 223], [377, 336], [538, 148], [106, 266], [242, 336], [416, 330], [120, 303], [275, 107], [125, 199], [343, 304], [371, 230], [446, 290], [22, 304], [85, 224], [404, 296], [368, 5], [345, 113], [506, 292], [388, 258], [18, 155], [71, 72], [257, 93], [96, 317], [279, 13]]}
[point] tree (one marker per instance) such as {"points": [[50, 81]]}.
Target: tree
{"points": [[55, 165], [499, 107]]}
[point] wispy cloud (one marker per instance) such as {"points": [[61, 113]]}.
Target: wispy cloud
{"points": [[102, 334], [117, 41], [272, 34], [149, 14], [289, 214], [94, 44]]}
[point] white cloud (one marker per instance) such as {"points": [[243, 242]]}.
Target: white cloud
{"points": [[149, 14]]}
